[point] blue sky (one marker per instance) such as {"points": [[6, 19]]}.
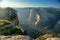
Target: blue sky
{"points": [[30, 3]]}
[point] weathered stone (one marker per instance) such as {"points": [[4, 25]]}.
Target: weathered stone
{"points": [[36, 25], [9, 14], [55, 38], [17, 37]]}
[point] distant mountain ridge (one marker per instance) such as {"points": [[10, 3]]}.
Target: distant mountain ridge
{"points": [[38, 21]]}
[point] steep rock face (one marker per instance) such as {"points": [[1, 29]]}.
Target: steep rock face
{"points": [[9, 14], [37, 21], [57, 26], [2, 14]]}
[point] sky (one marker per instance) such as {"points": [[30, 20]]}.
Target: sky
{"points": [[30, 3]]}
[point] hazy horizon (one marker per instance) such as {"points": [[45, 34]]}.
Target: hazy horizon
{"points": [[29, 3]]}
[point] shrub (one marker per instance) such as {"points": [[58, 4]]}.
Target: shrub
{"points": [[25, 33], [16, 31], [7, 28]]}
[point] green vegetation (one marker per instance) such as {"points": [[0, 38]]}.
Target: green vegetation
{"points": [[7, 28], [3, 22], [16, 31], [43, 37], [25, 33], [48, 34]]}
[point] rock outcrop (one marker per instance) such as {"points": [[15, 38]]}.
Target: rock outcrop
{"points": [[17, 37], [37, 21], [9, 14], [55, 38]]}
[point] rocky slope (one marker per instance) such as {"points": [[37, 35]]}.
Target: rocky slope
{"points": [[17, 37], [9, 14], [55, 38], [37, 21]]}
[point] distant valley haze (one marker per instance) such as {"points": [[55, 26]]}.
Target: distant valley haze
{"points": [[29, 3], [37, 17]]}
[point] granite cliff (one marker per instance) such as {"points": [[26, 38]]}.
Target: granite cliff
{"points": [[37, 21], [9, 14]]}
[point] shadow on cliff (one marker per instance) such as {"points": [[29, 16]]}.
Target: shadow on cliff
{"points": [[48, 19]]}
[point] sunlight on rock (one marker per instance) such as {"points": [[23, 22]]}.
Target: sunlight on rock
{"points": [[38, 19], [30, 15]]}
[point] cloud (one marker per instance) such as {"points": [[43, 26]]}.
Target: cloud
{"points": [[11, 5], [4, 4]]}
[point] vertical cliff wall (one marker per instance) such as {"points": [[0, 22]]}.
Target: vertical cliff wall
{"points": [[37, 21], [9, 14]]}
